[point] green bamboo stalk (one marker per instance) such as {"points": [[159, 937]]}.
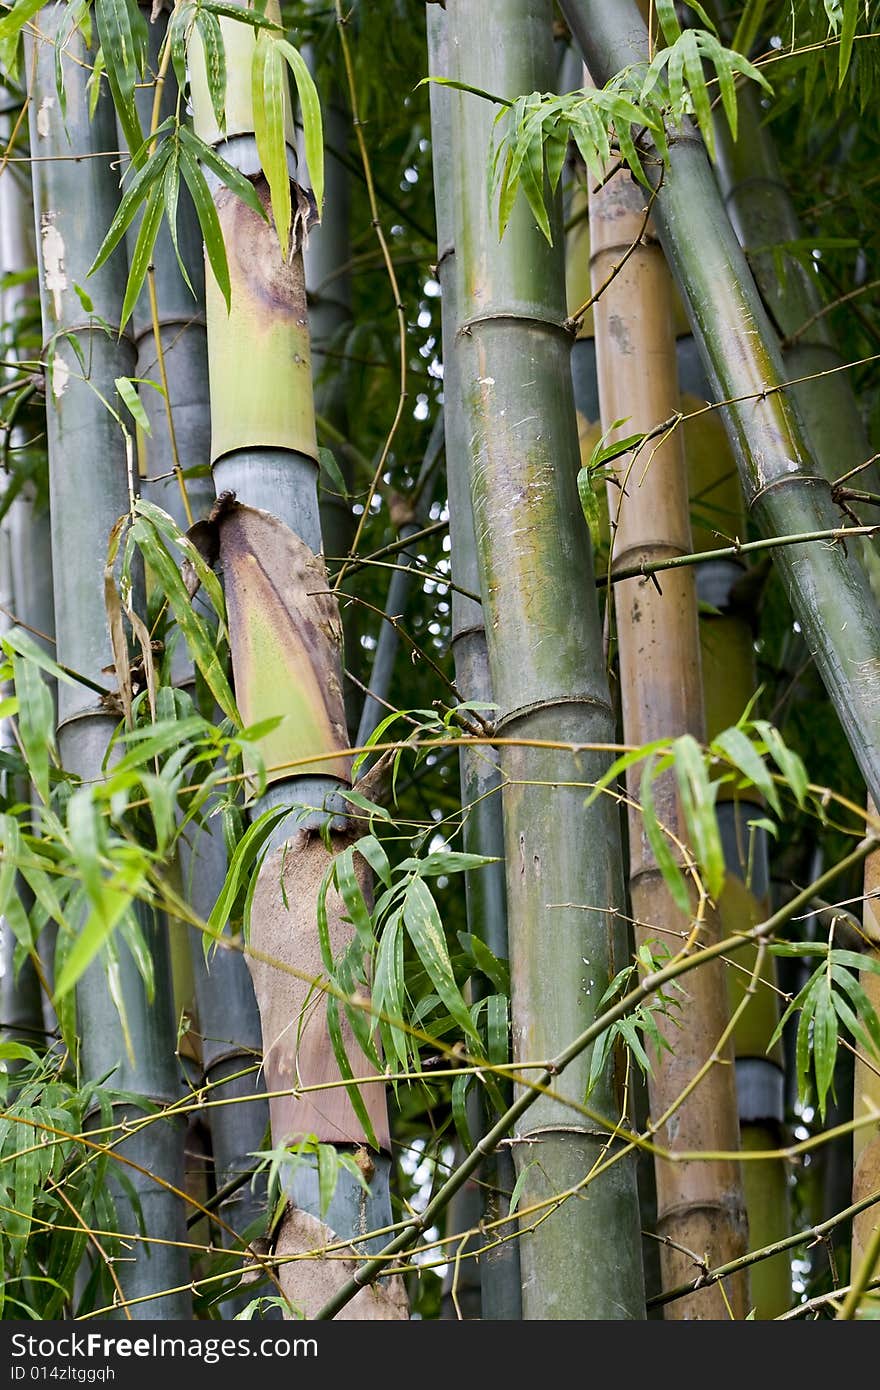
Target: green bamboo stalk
{"points": [[26, 581], [74, 202], [480, 775], [763, 215], [548, 679], [284, 633], [829, 590], [228, 1020]]}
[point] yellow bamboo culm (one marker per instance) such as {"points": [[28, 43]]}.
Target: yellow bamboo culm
{"points": [[701, 1214]]}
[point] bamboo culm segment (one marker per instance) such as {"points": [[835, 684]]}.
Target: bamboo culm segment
{"points": [[480, 775], [74, 202], [828, 589], [264, 451], [700, 1206], [547, 670]]}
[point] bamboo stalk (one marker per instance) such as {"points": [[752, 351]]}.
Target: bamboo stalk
{"points": [[228, 1020], [480, 775], [829, 590], [27, 591], [866, 1142], [700, 1207], [74, 202], [729, 683], [284, 631], [546, 665]]}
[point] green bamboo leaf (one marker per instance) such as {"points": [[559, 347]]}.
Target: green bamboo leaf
{"points": [[847, 37], [352, 1089], [131, 200], [623, 763], [209, 222], [36, 721], [177, 37], [789, 764], [12, 23], [328, 1177], [327, 462], [699, 92], [241, 866], [10, 842], [109, 905], [804, 1035], [240, 186], [532, 183], [422, 921], [698, 803], [824, 1042], [253, 17], [388, 990], [123, 33], [310, 110], [460, 1088], [128, 394], [739, 750], [668, 19], [214, 51], [371, 850], [445, 861], [749, 25], [196, 633], [672, 875], [495, 969], [353, 898], [864, 1008], [269, 87], [497, 1029], [170, 197]]}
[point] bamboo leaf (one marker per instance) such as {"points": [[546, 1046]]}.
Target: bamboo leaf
{"points": [[195, 631], [788, 762], [128, 394], [241, 866], [268, 83], [847, 37], [209, 222], [824, 1042], [672, 875], [12, 23], [36, 721], [109, 904], [310, 110], [353, 898], [123, 34], [131, 200], [240, 186], [698, 802], [460, 1088], [495, 969], [668, 19], [328, 1177], [214, 51], [739, 750], [422, 921], [142, 255]]}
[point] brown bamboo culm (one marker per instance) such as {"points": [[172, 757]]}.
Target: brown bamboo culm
{"points": [[700, 1206]]}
